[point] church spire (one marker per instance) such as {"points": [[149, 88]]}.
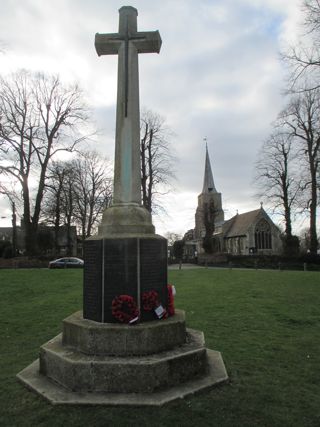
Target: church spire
{"points": [[208, 184]]}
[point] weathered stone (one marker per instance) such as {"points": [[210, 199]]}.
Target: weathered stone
{"points": [[126, 220], [70, 371], [130, 374], [127, 44], [97, 338], [58, 395]]}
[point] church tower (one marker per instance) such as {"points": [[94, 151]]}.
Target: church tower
{"points": [[209, 197]]}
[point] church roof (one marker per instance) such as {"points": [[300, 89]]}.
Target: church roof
{"points": [[208, 184], [239, 224]]}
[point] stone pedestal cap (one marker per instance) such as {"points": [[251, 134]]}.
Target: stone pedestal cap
{"points": [[126, 219]]}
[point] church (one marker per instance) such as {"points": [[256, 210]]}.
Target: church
{"points": [[248, 233]]}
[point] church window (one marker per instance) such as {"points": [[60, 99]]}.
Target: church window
{"points": [[262, 235]]}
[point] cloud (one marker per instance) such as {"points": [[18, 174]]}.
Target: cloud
{"points": [[218, 75]]}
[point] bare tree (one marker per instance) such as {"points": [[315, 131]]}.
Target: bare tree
{"points": [[276, 178], [302, 120], [304, 58], [172, 237], [311, 8], [58, 200], [39, 117], [92, 187], [77, 192], [157, 160]]}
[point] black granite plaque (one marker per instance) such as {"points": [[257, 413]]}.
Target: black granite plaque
{"points": [[92, 280], [153, 270], [123, 266], [120, 271]]}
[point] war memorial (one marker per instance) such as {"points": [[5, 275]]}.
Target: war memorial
{"points": [[128, 346]]}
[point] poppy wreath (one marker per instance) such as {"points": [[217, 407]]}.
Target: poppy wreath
{"points": [[124, 309], [170, 301], [150, 300]]}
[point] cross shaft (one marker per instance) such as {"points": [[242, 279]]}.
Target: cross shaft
{"points": [[127, 44]]}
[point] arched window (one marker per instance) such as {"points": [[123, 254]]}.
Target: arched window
{"points": [[262, 235]]}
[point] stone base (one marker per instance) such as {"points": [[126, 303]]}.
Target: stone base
{"points": [[94, 338], [132, 374], [84, 366], [58, 395]]}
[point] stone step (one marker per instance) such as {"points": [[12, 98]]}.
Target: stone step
{"points": [[113, 374], [58, 395], [97, 338]]}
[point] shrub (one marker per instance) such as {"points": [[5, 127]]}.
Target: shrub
{"points": [[8, 252], [4, 244], [178, 249], [291, 245]]}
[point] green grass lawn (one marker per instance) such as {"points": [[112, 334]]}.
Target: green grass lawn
{"points": [[265, 323]]}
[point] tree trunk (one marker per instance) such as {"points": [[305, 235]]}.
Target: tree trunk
{"points": [[313, 217], [31, 238], [312, 157], [57, 224], [41, 185], [144, 176], [14, 229], [30, 230], [150, 169], [69, 242], [287, 215]]}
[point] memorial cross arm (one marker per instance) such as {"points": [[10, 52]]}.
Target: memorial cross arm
{"points": [[144, 41], [107, 44], [147, 42]]}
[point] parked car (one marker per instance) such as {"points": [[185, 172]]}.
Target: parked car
{"points": [[67, 263]]}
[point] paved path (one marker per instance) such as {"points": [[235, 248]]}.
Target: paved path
{"points": [[184, 266]]}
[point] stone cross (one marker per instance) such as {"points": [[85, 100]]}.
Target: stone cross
{"points": [[127, 44]]}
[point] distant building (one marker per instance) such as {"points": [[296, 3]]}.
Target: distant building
{"points": [[208, 195], [243, 234], [66, 241], [252, 232]]}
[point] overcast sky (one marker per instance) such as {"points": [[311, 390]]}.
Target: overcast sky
{"points": [[218, 76]]}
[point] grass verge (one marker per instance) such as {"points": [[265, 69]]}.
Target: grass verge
{"points": [[265, 323]]}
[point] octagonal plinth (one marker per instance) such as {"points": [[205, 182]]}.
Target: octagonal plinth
{"points": [[132, 374], [57, 395], [140, 365], [97, 338]]}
